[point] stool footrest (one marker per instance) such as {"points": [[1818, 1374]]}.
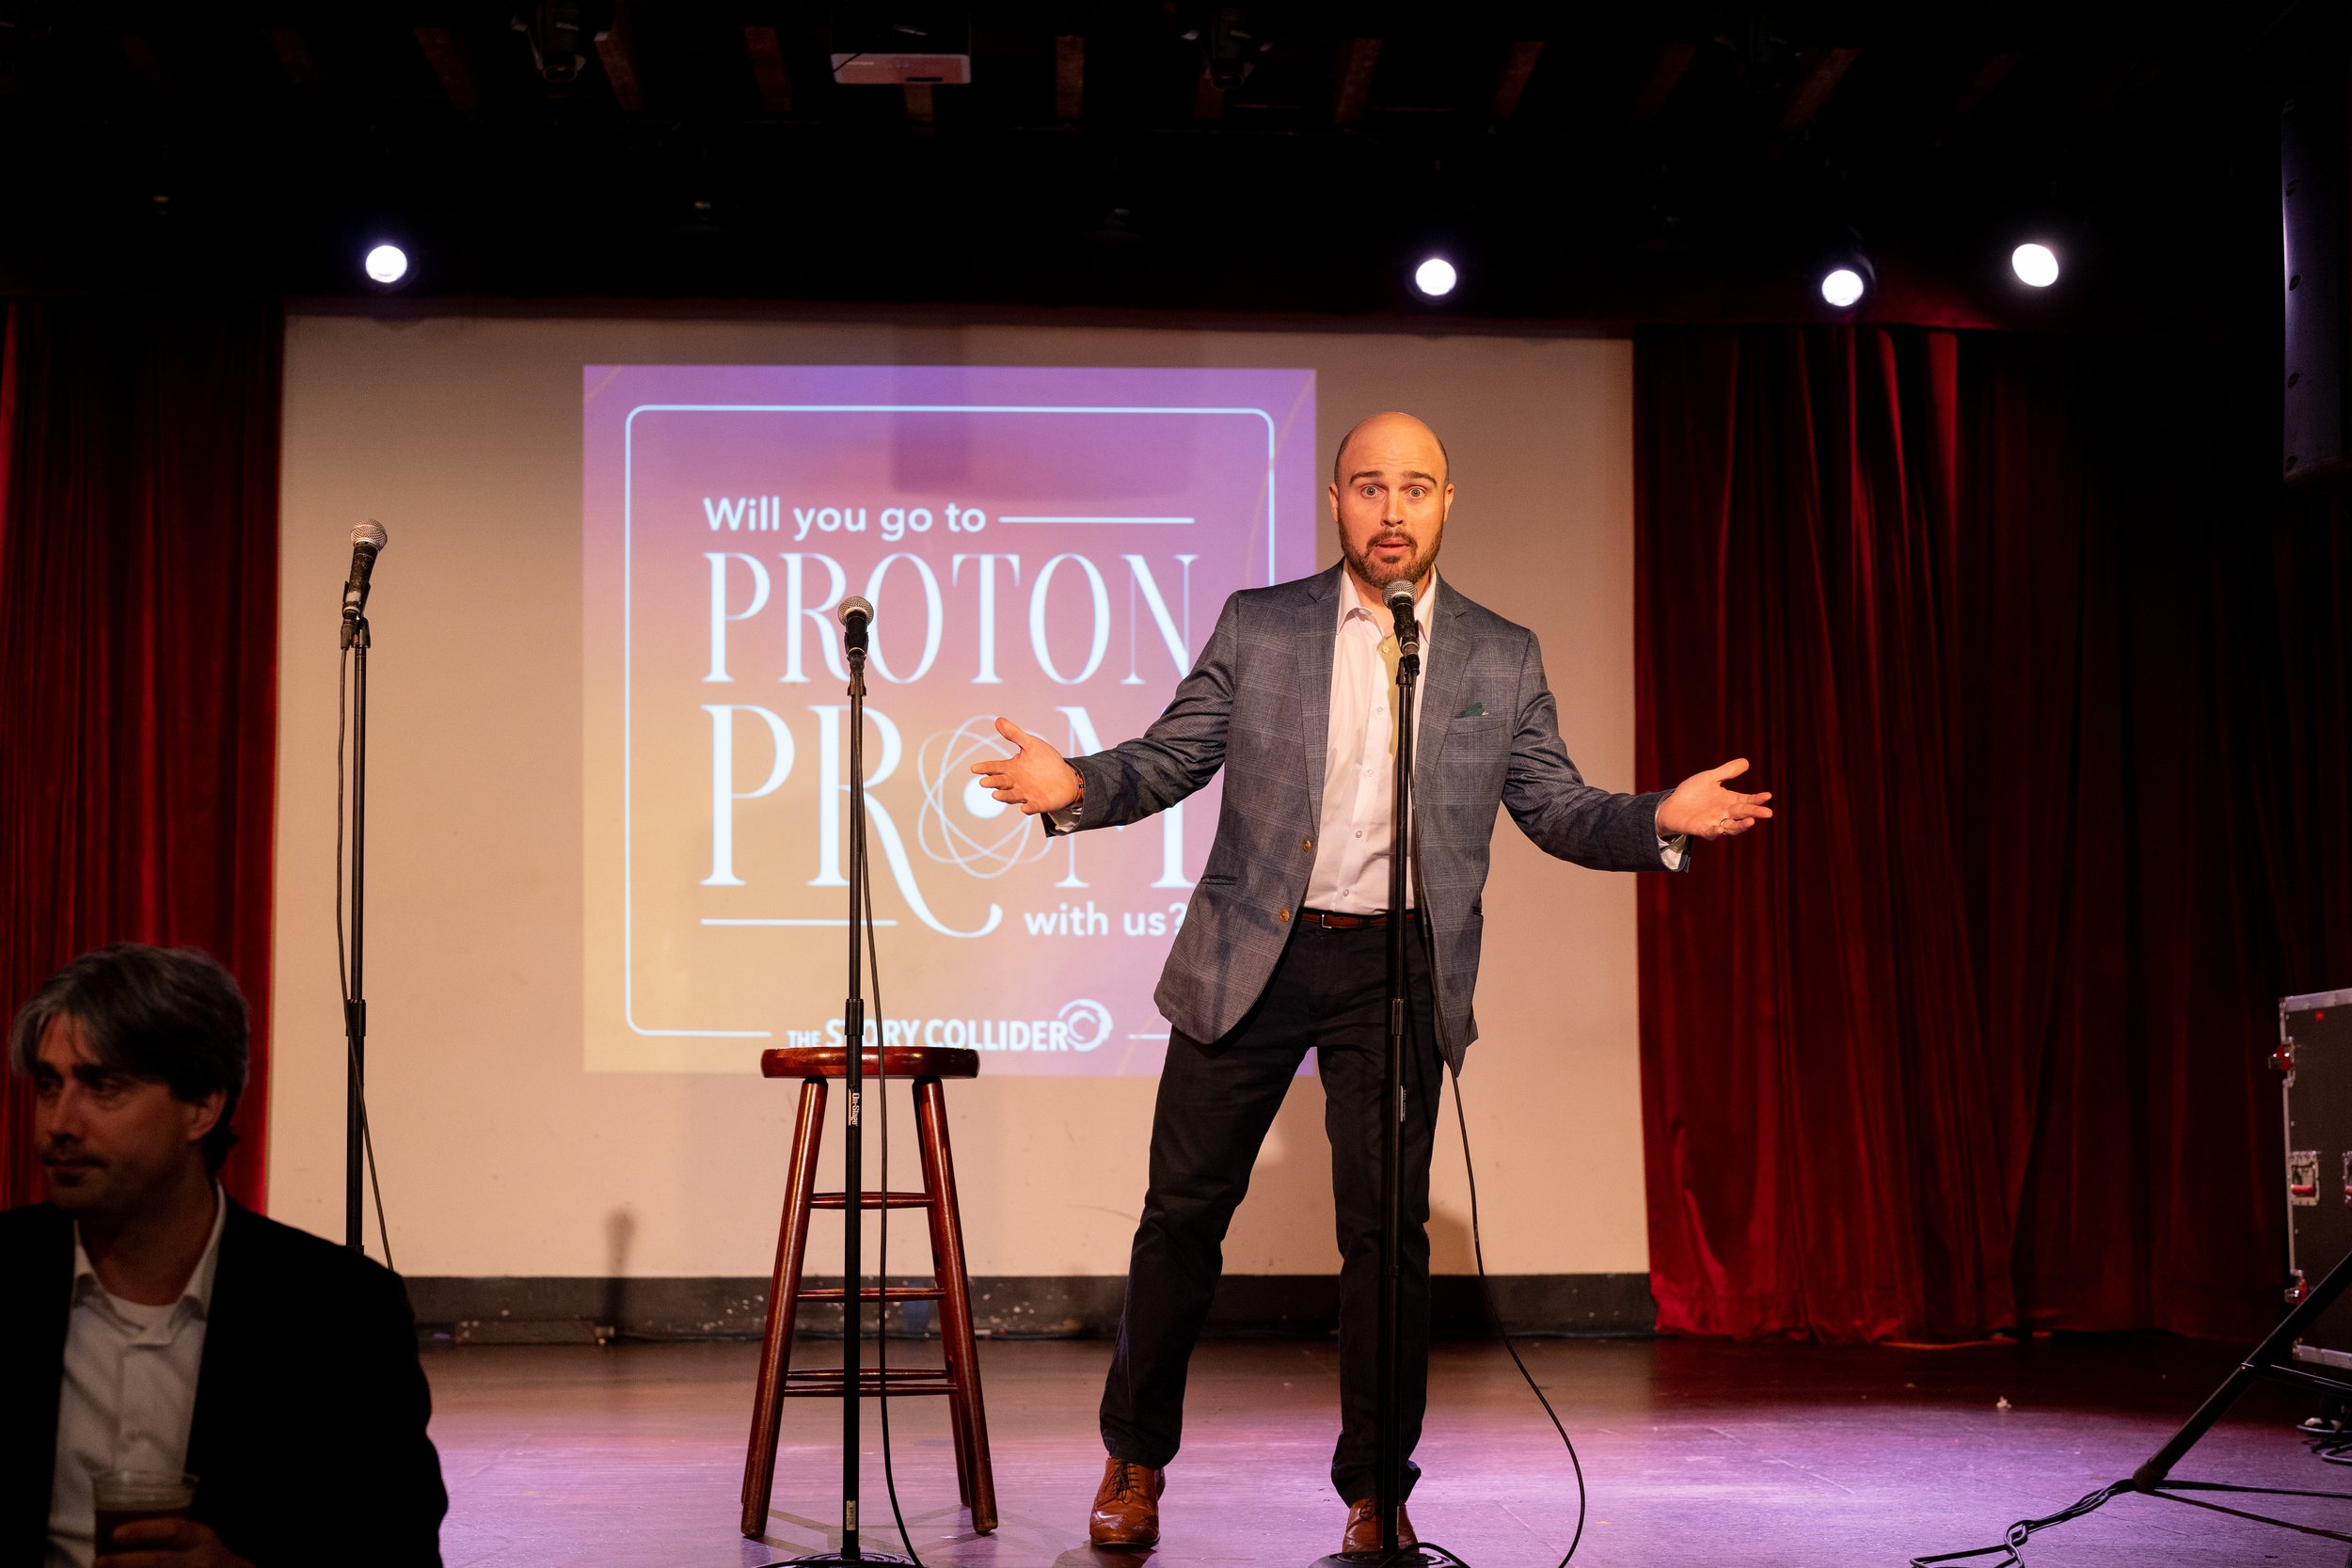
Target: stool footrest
{"points": [[811, 1382], [895, 1293], [871, 1200]]}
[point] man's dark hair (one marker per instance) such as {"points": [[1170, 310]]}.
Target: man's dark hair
{"points": [[169, 1015]]}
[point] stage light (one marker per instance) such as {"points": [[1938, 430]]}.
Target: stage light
{"points": [[2036, 265], [387, 264], [1842, 286], [1434, 276], [555, 29]]}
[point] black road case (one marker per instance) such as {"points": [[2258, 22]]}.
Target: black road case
{"points": [[2315, 1060]]}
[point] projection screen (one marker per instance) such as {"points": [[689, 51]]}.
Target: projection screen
{"points": [[1049, 544]]}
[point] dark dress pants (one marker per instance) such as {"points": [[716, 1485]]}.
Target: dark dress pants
{"points": [[1328, 995]]}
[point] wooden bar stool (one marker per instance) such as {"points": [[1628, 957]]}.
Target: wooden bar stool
{"points": [[959, 1378]]}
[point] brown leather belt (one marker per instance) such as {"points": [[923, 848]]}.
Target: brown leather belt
{"points": [[1333, 920]]}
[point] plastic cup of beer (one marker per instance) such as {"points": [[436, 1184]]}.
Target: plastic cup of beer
{"points": [[124, 1497]]}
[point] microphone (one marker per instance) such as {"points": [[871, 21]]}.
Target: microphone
{"points": [[367, 542], [1399, 595], [855, 613]]}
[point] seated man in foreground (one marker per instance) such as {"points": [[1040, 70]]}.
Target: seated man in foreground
{"points": [[153, 1325]]}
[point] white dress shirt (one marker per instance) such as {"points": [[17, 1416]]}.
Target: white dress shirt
{"points": [[1351, 870], [129, 1390]]}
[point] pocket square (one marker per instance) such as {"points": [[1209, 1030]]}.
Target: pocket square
{"points": [[1476, 710]]}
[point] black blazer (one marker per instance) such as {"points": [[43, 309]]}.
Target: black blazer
{"points": [[309, 1439]]}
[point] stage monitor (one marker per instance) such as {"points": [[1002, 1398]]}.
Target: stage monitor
{"points": [[1050, 545]]}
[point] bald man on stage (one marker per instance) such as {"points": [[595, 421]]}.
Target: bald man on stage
{"points": [[1284, 948]]}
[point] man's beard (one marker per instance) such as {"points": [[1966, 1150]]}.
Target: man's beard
{"points": [[1380, 573]]}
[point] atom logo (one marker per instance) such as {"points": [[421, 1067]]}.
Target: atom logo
{"points": [[960, 823], [1089, 1021]]}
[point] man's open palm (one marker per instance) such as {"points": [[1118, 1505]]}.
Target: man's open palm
{"points": [[1703, 807], [1035, 777]]}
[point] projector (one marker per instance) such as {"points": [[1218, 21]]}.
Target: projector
{"points": [[903, 70]]}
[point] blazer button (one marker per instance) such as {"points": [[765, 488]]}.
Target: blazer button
{"points": [[1282, 915], [1308, 844]]}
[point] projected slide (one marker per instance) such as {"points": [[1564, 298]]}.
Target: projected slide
{"points": [[1049, 544]]}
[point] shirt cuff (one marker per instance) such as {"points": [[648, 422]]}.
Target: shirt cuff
{"points": [[1670, 851], [1066, 819]]}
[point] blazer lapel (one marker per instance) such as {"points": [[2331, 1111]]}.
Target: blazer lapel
{"points": [[1315, 637], [216, 1424], [1444, 663]]}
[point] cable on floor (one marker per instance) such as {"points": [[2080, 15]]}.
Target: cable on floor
{"points": [[1470, 1170]]}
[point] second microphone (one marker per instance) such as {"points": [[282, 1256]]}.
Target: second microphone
{"points": [[855, 613]]}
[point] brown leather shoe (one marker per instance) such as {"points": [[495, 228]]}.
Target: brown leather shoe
{"points": [[1363, 1526], [1127, 1505]]}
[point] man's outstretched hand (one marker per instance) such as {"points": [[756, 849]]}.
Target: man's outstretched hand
{"points": [[1035, 777], [1703, 808]]}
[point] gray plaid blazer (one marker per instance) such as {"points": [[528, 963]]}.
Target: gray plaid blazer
{"points": [[1257, 704]]}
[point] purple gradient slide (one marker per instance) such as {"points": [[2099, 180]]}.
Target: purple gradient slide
{"points": [[1048, 544]]}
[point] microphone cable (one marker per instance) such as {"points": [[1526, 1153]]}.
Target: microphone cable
{"points": [[342, 954], [865, 914], [2012, 1546], [1478, 1253], [1470, 1170]]}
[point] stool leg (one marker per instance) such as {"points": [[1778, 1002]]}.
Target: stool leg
{"points": [[951, 1347], [955, 1305], [783, 1300]]}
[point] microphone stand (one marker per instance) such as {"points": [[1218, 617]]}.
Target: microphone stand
{"points": [[355, 1005], [852, 1147], [1388, 1476], [1389, 1462]]}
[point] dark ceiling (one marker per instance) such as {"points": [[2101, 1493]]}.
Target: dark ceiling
{"points": [[1579, 164]]}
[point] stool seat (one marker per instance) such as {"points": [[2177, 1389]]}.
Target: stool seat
{"points": [[903, 1061]]}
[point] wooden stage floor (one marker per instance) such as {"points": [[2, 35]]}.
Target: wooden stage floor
{"points": [[1697, 1454]]}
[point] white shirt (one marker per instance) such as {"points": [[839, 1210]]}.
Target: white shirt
{"points": [[129, 1390], [1351, 870]]}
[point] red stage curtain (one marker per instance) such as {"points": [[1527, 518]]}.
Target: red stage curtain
{"points": [[139, 651], [2054, 689]]}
